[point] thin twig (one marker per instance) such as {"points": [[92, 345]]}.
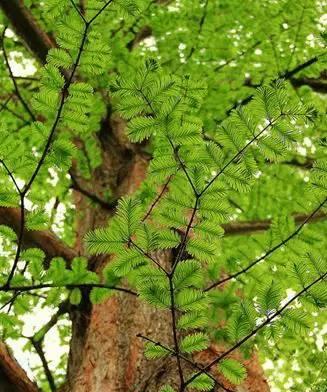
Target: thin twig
{"points": [[286, 75], [174, 329], [39, 350], [237, 56], [92, 196], [78, 11], [40, 286], [185, 237], [298, 30], [158, 198], [17, 115], [182, 165], [201, 24], [270, 251], [257, 329], [12, 77], [239, 153], [147, 255], [10, 175]]}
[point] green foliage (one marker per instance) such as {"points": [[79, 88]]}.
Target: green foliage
{"points": [[188, 273], [202, 383], [269, 297], [233, 370], [36, 220], [195, 342], [167, 388], [154, 351], [75, 296], [215, 109]]}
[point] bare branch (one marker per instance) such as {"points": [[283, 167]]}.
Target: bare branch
{"points": [[13, 377], [200, 28], [252, 227], [39, 350], [238, 56], [319, 85], [46, 240], [41, 286], [107, 205], [287, 75], [63, 308], [26, 27]]}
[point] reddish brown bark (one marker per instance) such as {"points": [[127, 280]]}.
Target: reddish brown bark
{"points": [[12, 377]]}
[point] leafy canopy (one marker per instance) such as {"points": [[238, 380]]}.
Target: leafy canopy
{"points": [[235, 132]]}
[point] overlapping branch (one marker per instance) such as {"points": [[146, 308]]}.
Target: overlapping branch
{"points": [[46, 240], [25, 288], [257, 226], [48, 374]]}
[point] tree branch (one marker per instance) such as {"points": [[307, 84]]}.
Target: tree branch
{"points": [[174, 330], [63, 308], [107, 205], [13, 377], [240, 152], [287, 75], [26, 27], [157, 199], [23, 289], [251, 227], [46, 240], [39, 350], [319, 85], [48, 143]]}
